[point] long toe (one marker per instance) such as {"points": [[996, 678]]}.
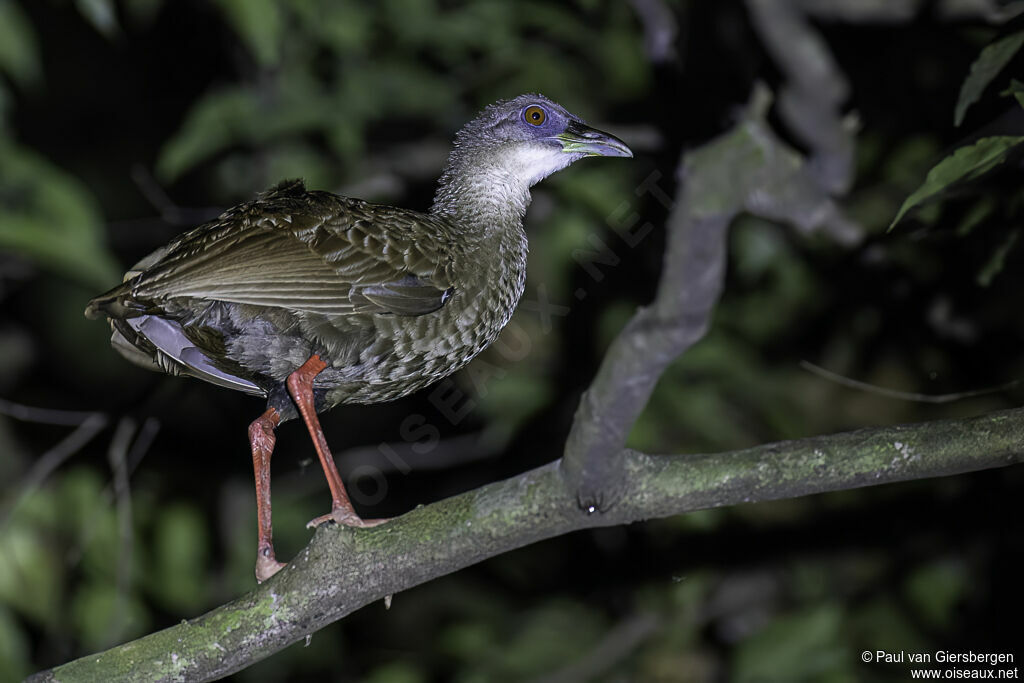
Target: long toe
{"points": [[345, 518], [267, 567]]}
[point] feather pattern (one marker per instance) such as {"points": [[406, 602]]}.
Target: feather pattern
{"points": [[390, 299], [322, 254]]}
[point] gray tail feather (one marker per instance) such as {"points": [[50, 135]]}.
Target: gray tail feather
{"points": [[157, 344], [111, 304]]}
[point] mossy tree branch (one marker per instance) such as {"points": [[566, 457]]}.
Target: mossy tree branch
{"points": [[747, 169], [344, 569]]}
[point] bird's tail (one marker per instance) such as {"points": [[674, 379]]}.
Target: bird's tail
{"points": [[111, 304], [118, 303]]}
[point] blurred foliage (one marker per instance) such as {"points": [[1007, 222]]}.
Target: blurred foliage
{"points": [[19, 57], [964, 165], [987, 66], [207, 103], [47, 216], [313, 101], [798, 647]]}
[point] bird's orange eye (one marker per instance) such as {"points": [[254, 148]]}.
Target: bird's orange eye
{"points": [[534, 115]]}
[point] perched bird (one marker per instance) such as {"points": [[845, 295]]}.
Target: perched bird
{"points": [[311, 299]]}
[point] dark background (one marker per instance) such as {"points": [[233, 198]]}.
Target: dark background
{"points": [[125, 123]]}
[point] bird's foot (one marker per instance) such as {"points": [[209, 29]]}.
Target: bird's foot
{"points": [[266, 566], [345, 517]]}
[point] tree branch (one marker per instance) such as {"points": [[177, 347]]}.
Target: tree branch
{"points": [[345, 569], [813, 94], [747, 169]]}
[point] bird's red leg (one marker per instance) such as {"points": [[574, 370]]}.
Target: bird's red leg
{"points": [[300, 386], [261, 439]]}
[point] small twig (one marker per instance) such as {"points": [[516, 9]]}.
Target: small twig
{"points": [[117, 455], [69, 418], [901, 395], [110, 494], [158, 198], [92, 425], [147, 434], [616, 645]]}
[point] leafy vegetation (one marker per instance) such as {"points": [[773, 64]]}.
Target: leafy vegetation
{"points": [[169, 112]]}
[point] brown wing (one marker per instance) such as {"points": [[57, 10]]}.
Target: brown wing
{"points": [[307, 251]]}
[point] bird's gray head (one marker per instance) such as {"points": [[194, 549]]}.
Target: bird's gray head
{"points": [[507, 148], [531, 137]]}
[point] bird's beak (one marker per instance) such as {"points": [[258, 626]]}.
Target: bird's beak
{"points": [[579, 137]]}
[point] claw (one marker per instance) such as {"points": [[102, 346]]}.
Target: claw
{"points": [[267, 566]]}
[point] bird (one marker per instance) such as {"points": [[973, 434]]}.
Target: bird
{"points": [[310, 299]]}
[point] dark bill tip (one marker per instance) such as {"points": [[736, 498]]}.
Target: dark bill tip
{"points": [[579, 137]]}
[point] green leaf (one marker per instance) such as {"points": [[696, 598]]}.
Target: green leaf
{"points": [[238, 116], [936, 590], [557, 631], [217, 121], [15, 660], [19, 54], [180, 542], [964, 164], [396, 672], [1016, 88], [882, 622], [48, 217], [30, 573], [342, 27], [997, 261], [988, 64], [259, 23], [103, 616], [981, 211], [806, 646]]}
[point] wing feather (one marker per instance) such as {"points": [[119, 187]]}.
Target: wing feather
{"points": [[306, 251]]}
